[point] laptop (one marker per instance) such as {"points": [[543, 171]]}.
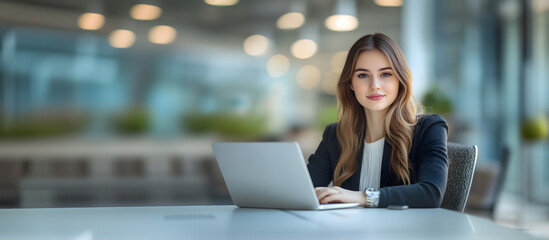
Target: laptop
{"points": [[268, 175]]}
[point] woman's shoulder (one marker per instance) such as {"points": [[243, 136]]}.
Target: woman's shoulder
{"points": [[428, 120], [430, 132], [330, 130]]}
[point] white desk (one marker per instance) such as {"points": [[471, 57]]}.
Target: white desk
{"points": [[230, 222]]}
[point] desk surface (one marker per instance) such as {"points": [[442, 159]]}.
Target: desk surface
{"points": [[230, 222]]}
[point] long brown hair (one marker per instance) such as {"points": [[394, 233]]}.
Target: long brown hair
{"points": [[400, 119]]}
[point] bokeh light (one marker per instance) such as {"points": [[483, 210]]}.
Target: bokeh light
{"points": [[304, 48], [278, 65], [338, 61], [329, 83], [162, 34], [290, 20], [308, 77], [256, 45], [145, 12], [221, 2], [91, 21], [341, 23], [121, 38], [389, 3]]}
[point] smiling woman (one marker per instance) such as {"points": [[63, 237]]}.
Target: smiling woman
{"points": [[382, 151], [374, 89]]}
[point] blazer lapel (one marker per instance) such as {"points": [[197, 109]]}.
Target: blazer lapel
{"points": [[385, 165]]}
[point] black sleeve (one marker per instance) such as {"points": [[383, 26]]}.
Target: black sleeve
{"points": [[319, 166], [432, 172]]}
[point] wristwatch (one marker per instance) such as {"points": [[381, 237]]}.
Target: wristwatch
{"points": [[372, 197]]}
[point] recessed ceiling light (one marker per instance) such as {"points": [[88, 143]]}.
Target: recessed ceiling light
{"points": [[290, 20], [338, 61], [278, 65], [389, 3], [121, 38], [304, 48], [308, 77], [221, 2], [329, 83], [341, 23], [145, 12], [256, 45], [91, 21], [162, 34]]}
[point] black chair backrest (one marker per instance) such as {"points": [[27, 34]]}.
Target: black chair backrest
{"points": [[462, 160]]}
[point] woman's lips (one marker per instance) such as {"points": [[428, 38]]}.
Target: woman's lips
{"points": [[376, 97]]}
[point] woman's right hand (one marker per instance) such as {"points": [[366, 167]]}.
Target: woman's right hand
{"points": [[339, 195]]}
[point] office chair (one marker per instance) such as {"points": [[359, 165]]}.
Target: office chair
{"points": [[462, 160], [489, 188]]}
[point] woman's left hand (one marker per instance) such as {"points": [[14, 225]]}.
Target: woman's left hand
{"points": [[337, 194]]}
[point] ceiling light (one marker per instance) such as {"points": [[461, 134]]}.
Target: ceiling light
{"points": [[145, 12], [338, 61], [308, 77], [121, 38], [256, 45], [344, 17], [341, 23], [221, 2], [162, 34], [304, 48], [389, 3], [278, 65], [290, 20], [91, 21], [329, 84]]}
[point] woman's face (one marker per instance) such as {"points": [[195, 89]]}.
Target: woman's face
{"points": [[374, 81]]}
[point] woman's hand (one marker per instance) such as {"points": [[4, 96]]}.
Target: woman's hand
{"points": [[341, 195]]}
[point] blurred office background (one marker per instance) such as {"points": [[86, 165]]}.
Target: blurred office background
{"points": [[116, 103]]}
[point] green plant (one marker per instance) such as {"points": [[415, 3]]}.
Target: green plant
{"points": [[44, 124], [437, 101], [132, 122], [327, 115], [225, 124], [535, 128]]}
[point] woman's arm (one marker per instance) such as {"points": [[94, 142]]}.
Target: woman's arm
{"points": [[319, 166], [321, 170], [431, 175]]}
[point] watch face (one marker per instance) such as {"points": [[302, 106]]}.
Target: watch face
{"points": [[372, 192], [372, 197]]}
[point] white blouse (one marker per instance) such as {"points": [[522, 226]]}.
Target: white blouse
{"points": [[370, 174]]}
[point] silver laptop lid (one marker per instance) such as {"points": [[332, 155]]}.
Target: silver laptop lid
{"points": [[266, 174]]}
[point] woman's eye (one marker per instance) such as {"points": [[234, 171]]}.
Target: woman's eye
{"points": [[362, 75], [386, 74]]}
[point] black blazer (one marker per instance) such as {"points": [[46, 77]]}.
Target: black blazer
{"points": [[428, 158]]}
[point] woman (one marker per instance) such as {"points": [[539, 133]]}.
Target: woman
{"points": [[381, 152]]}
